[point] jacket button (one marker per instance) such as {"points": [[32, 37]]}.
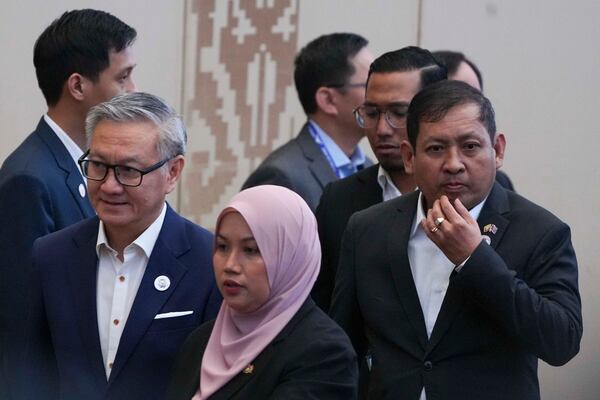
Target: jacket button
{"points": [[427, 366]]}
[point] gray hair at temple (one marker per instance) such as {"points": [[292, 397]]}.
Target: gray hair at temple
{"points": [[142, 107]]}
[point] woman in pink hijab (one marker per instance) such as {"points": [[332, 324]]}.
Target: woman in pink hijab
{"points": [[269, 340]]}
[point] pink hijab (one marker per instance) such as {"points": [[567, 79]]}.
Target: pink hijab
{"points": [[285, 230]]}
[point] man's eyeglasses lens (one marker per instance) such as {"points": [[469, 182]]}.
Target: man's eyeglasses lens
{"points": [[368, 116], [126, 176]]}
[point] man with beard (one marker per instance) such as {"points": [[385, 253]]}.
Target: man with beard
{"points": [[394, 79]]}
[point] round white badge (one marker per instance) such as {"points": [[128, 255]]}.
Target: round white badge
{"points": [[81, 190], [162, 283], [486, 239]]}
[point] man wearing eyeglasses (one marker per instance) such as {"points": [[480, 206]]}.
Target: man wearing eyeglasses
{"points": [[330, 75], [393, 79], [114, 296]]}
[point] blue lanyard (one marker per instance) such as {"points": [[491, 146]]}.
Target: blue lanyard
{"points": [[317, 138]]}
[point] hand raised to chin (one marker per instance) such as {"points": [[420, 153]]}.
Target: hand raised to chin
{"points": [[452, 229]]}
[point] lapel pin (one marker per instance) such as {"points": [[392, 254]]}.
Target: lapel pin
{"points": [[249, 369], [486, 239], [81, 190], [490, 228], [162, 283]]}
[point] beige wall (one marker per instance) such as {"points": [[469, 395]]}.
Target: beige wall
{"points": [[539, 60]]}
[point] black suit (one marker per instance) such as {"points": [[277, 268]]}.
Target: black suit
{"points": [[311, 358], [341, 199], [514, 301]]}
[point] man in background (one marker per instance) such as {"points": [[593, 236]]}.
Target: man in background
{"points": [[394, 78], [81, 59], [330, 76]]}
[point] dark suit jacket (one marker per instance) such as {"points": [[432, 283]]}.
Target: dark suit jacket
{"points": [[514, 301], [39, 194], [298, 165], [64, 358], [311, 358], [341, 199]]}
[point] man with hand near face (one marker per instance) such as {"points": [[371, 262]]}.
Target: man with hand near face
{"points": [[114, 296], [456, 290]]}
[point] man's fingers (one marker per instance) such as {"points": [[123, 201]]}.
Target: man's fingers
{"points": [[462, 211]]}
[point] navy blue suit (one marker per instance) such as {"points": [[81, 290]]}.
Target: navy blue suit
{"points": [[64, 357], [39, 194]]}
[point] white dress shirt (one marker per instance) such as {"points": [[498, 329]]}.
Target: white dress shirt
{"points": [[74, 151], [430, 269], [118, 283], [389, 190]]}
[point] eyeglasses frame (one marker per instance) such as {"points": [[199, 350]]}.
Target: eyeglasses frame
{"points": [[142, 172]]}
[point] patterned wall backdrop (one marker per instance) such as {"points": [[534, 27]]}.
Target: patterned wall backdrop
{"points": [[238, 96]]}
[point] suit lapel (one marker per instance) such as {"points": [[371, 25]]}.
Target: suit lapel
{"points": [[73, 180], [370, 192], [82, 280], [490, 216], [172, 242], [318, 164], [397, 245]]}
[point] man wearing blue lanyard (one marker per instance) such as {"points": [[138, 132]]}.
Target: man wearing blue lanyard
{"points": [[330, 76]]}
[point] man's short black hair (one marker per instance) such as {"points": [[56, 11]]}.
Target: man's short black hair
{"points": [[452, 60], [410, 58], [435, 101], [77, 42], [325, 61]]}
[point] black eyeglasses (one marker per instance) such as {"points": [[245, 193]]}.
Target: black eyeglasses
{"points": [[368, 116], [126, 176], [347, 85]]}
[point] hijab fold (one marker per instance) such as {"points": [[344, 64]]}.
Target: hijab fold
{"points": [[285, 231]]}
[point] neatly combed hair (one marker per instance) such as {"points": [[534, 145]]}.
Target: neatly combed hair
{"points": [[435, 101], [79, 41], [452, 60], [410, 58], [325, 61], [142, 107]]}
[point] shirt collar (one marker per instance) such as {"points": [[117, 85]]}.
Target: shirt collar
{"points": [[387, 184], [340, 159], [420, 214], [145, 241], [74, 151]]}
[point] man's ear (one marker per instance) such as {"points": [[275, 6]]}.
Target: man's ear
{"points": [[75, 86], [326, 100], [408, 157], [499, 147], [175, 167]]}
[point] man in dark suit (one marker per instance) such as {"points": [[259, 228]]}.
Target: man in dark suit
{"points": [[394, 79], [454, 291], [330, 75], [84, 57], [114, 296]]}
